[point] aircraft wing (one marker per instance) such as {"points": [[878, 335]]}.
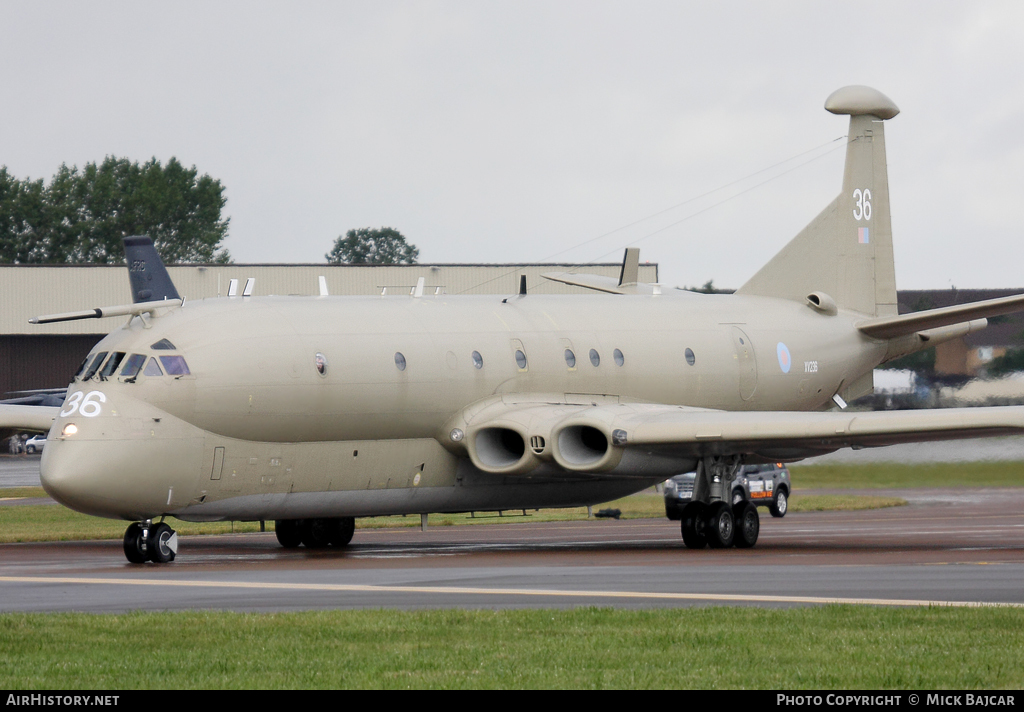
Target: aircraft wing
{"points": [[26, 418], [791, 435], [606, 438]]}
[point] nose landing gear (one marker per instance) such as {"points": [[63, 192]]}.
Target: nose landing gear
{"points": [[144, 541]]}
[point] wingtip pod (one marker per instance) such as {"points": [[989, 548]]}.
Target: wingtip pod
{"points": [[856, 100]]}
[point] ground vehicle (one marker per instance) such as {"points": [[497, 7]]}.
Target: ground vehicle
{"points": [[35, 444], [761, 485]]}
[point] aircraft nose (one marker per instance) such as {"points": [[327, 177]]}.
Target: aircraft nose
{"points": [[118, 477], [69, 475]]}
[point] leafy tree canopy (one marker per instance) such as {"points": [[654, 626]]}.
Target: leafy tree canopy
{"points": [[82, 215], [709, 288], [385, 246]]}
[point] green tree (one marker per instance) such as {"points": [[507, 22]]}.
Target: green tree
{"points": [[709, 288], [82, 215], [22, 206], [385, 246]]}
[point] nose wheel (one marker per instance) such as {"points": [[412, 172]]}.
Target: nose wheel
{"points": [[145, 541]]}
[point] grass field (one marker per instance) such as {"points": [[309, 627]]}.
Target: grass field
{"points": [[897, 476], [54, 523], [828, 647]]}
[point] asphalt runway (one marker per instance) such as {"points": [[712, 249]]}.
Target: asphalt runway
{"points": [[953, 547], [19, 471]]}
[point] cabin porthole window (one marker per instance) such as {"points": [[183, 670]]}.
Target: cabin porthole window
{"points": [[399, 360], [595, 358], [321, 363], [619, 358], [570, 358], [690, 358], [478, 360], [521, 359]]}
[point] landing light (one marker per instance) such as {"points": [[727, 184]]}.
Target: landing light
{"points": [[69, 429]]}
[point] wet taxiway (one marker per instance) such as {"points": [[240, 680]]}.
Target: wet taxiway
{"points": [[956, 547]]}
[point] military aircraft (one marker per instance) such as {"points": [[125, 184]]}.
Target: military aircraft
{"points": [[313, 411]]}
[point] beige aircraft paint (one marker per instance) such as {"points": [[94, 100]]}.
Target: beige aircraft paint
{"points": [[326, 408]]}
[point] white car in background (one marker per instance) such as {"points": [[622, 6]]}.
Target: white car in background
{"points": [[35, 444]]}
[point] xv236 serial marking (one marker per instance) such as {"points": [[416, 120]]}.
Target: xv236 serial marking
{"points": [[312, 411]]}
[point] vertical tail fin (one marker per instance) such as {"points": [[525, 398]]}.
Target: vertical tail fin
{"points": [[146, 272], [845, 252]]}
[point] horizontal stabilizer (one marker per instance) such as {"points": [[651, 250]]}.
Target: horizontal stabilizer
{"points": [[101, 312], [890, 327]]}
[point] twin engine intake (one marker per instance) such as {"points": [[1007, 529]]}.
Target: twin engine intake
{"points": [[508, 450], [515, 439]]}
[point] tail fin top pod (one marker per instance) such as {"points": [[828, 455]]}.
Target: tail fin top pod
{"points": [[846, 251], [149, 278]]}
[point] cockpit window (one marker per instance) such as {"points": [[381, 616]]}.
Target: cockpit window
{"points": [[81, 368], [132, 365], [153, 368], [175, 365], [111, 365], [163, 345], [94, 366]]}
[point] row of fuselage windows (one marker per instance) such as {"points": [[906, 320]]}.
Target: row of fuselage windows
{"points": [[103, 367], [570, 359]]}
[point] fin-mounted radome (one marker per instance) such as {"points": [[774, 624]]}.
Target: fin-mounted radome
{"points": [[856, 100]]}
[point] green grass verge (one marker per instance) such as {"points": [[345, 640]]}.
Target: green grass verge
{"points": [[11, 492], [887, 475], [829, 647], [55, 523]]}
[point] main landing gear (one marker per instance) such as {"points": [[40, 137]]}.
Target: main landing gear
{"points": [[315, 533], [145, 541], [708, 520], [720, 526]]}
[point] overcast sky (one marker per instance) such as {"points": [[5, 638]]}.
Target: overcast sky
{"points": [[519, 131]]}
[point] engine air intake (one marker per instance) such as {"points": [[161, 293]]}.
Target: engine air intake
{"points": [[582, 445], [499, 448]]}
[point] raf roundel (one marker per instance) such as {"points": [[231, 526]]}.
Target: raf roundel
{"points": [[785, 361]]}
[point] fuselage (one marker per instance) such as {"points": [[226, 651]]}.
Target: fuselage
{"points": [[293, 405]]}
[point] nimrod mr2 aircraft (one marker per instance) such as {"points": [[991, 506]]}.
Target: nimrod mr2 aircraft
{"points": [[313, 411]]}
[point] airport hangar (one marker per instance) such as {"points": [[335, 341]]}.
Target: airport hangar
{"points": [[46, 356]]}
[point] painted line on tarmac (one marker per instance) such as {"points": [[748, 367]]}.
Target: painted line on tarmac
{"points": [[535, 592]]}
